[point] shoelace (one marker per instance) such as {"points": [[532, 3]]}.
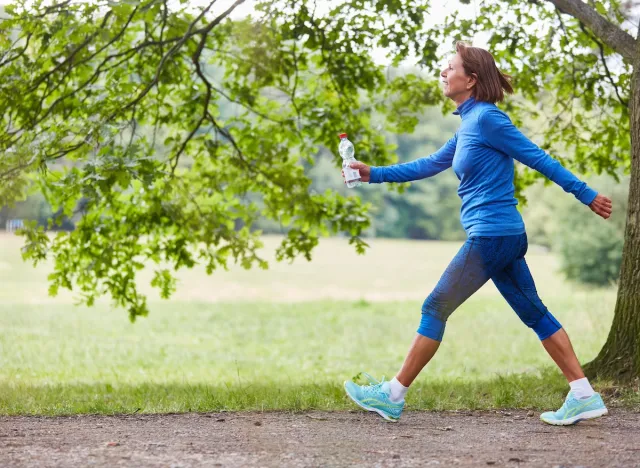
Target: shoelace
{"points": [[372, 380], [375, 387]]}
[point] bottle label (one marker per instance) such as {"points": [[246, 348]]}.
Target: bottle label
{"points": [[351, 174]]}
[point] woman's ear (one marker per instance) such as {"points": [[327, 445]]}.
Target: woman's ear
{"points": [[471, 82]]}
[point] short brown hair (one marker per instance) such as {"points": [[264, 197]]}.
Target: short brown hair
{"points": [[491, 83]]}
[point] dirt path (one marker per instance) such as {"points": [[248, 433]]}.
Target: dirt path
{"points": [[319, 439]]}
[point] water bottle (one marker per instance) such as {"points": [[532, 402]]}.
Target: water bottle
{"points": [[351, 176]]}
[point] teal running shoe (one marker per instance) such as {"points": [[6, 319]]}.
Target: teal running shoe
{"points": [[573, 410], [375, 397]]}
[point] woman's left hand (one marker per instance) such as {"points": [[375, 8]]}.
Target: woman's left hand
{"points": [[601, 206]]}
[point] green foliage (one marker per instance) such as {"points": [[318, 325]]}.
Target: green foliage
{"points": [[590, 248], [178, 128], [592, 254]]}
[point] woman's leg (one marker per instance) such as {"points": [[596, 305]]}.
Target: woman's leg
{"points": [[476, 262], [516, 285], [421, 351], [559, 348]]}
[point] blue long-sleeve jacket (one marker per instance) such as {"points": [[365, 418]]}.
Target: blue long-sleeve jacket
{"points": [[481, 154]]}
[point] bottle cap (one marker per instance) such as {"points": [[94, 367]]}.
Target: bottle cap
{"points": [[342, 135]]}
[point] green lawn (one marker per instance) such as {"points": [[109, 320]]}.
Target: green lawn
{"points": [[282, 339]]}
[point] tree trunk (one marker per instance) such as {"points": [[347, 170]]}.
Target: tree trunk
{"points": [[619, 358]]}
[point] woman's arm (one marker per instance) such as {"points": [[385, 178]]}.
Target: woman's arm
{"points": [[418, 169], [499, 132]]}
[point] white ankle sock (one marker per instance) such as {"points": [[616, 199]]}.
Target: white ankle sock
{"points": [[581, 388], [398, 391]]}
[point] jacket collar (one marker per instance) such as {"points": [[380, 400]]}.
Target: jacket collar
{"points": [[465, 107]]}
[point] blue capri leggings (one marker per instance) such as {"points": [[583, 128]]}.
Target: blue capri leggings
{"points": [[500, 259]]}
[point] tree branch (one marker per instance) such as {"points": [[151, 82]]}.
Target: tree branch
{"points": [[190, 33], [51, 9], [619, 40], [73, 53], [170, 53], [17, 55], [113, 40], [207, 99], [10, 173], [248, 107], [624, 102]]}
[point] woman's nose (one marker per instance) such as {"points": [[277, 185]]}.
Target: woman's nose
{"points": [[443, 73]]}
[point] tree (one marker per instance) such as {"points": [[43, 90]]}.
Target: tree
{"points": [[177, 127], [620, 355]]}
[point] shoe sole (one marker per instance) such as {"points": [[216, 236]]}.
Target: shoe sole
{"points": [[369, 408], [593, 414]]}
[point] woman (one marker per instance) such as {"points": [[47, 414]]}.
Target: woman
{"points": [[481, 154]]}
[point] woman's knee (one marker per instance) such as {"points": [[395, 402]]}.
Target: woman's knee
{"points": [[431, 326], [535, 315], [546, 326], [438, 305], [436, 309]]}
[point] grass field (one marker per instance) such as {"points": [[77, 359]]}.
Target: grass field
{"points": [[285, 338]]}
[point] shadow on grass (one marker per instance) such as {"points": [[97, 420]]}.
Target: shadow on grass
{"points": [[545, 390]]}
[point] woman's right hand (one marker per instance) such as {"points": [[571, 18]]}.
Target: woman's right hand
{"points": [[365, 171], [602, 206]]}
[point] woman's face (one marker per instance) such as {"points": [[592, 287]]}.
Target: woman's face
{"points": [[458, 86]]}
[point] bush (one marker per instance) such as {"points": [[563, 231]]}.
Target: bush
{"points": [[590, 248], [592, 252]]}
